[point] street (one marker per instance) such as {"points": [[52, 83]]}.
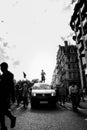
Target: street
{"points": [[47, 118], [43, 59]]}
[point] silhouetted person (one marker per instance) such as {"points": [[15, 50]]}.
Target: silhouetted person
{"points": [[62, 94], [43, 76], [25, 95], [18, 94], [74, 93], [7, 94]]}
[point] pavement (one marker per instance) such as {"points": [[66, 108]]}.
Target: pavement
{"points": [[83, 104], [68, 105], [82, 109]]}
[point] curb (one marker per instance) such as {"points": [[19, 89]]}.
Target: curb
{"points": [[82, 107]]}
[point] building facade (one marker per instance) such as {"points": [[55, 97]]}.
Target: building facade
{"points": [[67, 68], [78, 24]]}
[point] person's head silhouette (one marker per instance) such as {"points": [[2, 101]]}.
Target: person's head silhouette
{"points": [[4, 66]]}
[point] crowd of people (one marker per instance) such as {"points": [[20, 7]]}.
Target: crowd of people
{"points": [[73, 94], [20, 92]]}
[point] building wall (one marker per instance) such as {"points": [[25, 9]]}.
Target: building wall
{"points": [[78, 24], [67, 66]]}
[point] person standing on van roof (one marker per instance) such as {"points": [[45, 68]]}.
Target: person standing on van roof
{"points": [[43, 76]]}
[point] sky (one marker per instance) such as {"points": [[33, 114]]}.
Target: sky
{"points": [[30, 33]]}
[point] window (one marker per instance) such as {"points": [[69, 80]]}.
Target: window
{"points": [[72, 50], [69, 66], [72, 59], [68, 58], [70, 76]]}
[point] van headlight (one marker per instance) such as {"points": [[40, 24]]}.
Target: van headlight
{"points": [[53, 94], [33, 94]]}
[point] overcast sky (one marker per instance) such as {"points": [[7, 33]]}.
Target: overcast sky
{"points": [[30, 33]]}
